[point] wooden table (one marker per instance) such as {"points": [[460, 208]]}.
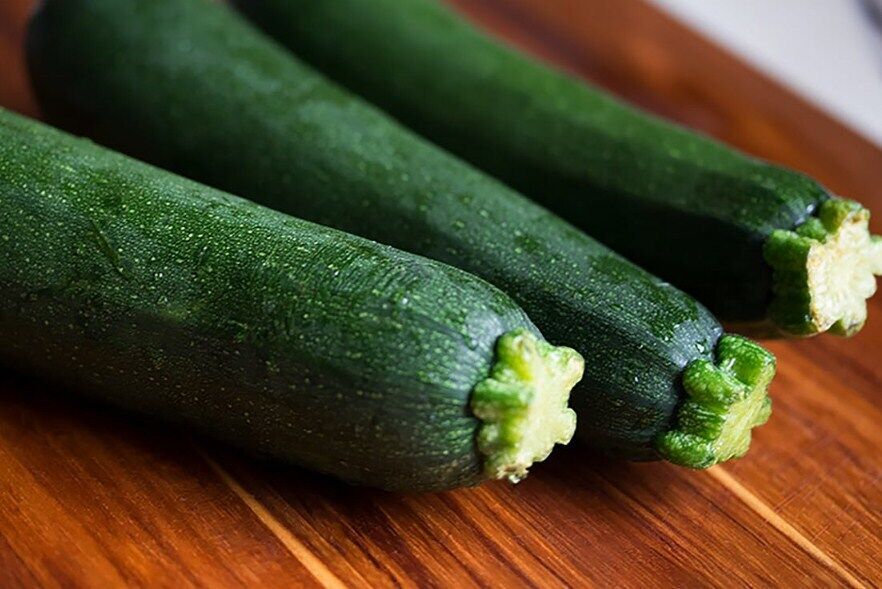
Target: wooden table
{"points": [[90, 497]]}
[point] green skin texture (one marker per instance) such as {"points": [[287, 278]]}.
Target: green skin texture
{"points": [[290, 339], [683, 206], [189, 86]]}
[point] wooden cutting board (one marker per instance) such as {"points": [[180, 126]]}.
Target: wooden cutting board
{"points": [[93, 498]]}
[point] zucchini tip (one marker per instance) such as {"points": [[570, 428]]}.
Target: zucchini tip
{"points": [[824, 271], [523, 404], [724, 401]]}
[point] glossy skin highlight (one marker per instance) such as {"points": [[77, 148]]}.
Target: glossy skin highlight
{"points": [[687, 208], [286, 338], [188, 85]]}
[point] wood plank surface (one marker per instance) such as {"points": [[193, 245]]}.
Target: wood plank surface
{"points": [[93, 498], [817, 465]]}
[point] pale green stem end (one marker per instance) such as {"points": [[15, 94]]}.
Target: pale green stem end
{"points": [[523, 404], [824, 271], [724, 402]]}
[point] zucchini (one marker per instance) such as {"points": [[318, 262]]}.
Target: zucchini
{"points": [[762, 246], [188, 85], [301, 342]]}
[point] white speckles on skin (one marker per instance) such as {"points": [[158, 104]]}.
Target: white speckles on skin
{"points": [[322, 141]]}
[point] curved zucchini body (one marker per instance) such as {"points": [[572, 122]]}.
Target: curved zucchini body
{"points": [[298, 341], [687, 208], [188, 85]]}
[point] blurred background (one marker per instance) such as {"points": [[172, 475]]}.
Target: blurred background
{"points": [[828, 50]]}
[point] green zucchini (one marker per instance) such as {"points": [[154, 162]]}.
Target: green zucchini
{"points": [[188, 85], [287, 338], [760, 245]]}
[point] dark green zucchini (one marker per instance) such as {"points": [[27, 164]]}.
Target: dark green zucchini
{"points": [[761, 245], [188, 85], [302, 342]]}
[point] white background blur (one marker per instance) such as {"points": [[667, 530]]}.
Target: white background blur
{"points": [[829, 51]]}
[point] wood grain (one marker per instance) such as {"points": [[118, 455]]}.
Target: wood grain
{"points": [[90, 498], [93, 498], [817, 464], [15, 91]]}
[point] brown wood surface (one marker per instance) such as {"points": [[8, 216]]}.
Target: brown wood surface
{"points": [[93, 498]]}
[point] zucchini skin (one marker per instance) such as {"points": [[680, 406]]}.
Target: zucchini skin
{"points": [[191, 87], [294, 340], [681, 205]]}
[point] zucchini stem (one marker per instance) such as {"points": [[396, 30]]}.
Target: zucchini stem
{"points": [[725, 401], [523, 404], [824, 271]]}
